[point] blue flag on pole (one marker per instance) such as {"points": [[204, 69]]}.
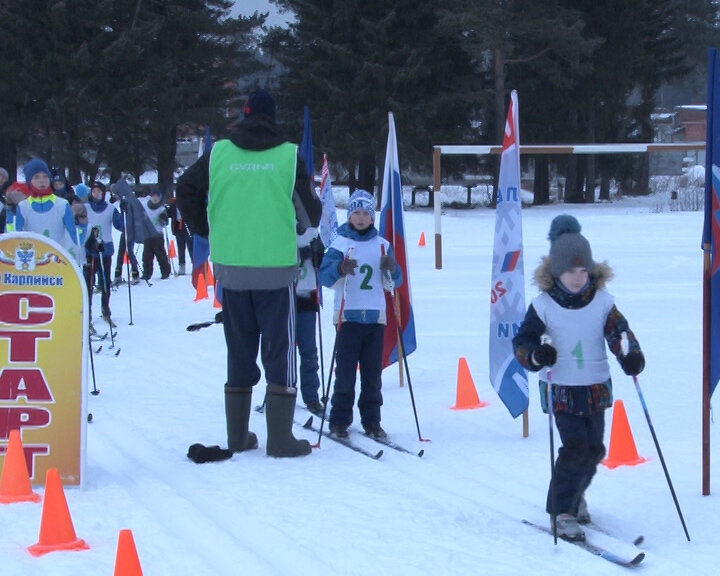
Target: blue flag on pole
{"points": [[507, 290], [392, 228], [711, 228], [306, 146]]}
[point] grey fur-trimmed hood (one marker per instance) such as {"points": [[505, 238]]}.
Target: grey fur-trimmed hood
{"points": [[601, 274]]}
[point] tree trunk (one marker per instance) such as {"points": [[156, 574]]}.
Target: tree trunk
{"points": [[590, 180], [8, 156], [541, 184]]}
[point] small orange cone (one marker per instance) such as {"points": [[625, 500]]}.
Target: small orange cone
{"points": [[15, 478], [422, 239], [126, 259], [201, 292], [127, 562], [209, 273], [172, 253], [216, 302], [466, 397], [56, 527], [622, 446]]}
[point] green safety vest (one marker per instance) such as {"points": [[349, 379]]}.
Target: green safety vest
{"points": [[250, 209]]}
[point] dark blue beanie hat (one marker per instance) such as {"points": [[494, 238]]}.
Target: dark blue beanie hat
{"points": [[259, 102], [33, 167]]}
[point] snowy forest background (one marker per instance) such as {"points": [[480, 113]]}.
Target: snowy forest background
{"points": [[115, 84]]}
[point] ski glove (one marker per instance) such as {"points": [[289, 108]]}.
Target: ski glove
{"points": [[633, 363], [318, 251], [201, 454], [387, 263], [347, 266], [544, 355], [93, 243]]}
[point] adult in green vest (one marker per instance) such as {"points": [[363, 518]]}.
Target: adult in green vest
{"points": [[251, 196]]}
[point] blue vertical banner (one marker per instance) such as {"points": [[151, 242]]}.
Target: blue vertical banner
{"points": [[711, 228], [507, 290], [306, 146], [392, 228]]}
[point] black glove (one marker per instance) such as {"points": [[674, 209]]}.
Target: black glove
{"points": [[200, 454], [93, 243], [318, 251], [633, 363], [544, 355], [304, 253], [163, 219], [347, 266], [387, 263]]}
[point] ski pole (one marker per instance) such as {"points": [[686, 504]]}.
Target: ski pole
{"points": [[321, 352], [348, 256], [127, 264], [107, 294], [624, 345], [553, 499], [95, 391], [662, 460], [389, 285]]}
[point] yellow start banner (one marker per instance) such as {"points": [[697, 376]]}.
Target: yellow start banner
{"points": [[43, 353]]}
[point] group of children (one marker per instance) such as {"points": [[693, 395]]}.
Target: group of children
{"points": [[563, 336], [82, 221]]}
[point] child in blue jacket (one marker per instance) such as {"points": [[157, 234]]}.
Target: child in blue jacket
{"points": [[354, 264]]}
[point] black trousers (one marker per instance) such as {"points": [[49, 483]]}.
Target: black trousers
{"points": [[261, 320], [154, 247], [358, 344], [581, 451]]}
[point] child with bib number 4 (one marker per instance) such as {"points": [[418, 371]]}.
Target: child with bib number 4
{"points": [[563, 336], [354, 265]]}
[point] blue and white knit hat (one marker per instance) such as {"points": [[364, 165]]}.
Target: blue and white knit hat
{"points": [[361, 200]]}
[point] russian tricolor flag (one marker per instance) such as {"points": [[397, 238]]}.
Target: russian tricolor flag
{"points": [[392, 228]]}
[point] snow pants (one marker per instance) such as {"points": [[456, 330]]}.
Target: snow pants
{"points": [[358, 344], [95, 268], [306, 323], [581, 451], [261, 320], [154, 247]]}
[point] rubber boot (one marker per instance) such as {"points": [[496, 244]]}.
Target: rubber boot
{"points": [[237, 417], [279, 411]]}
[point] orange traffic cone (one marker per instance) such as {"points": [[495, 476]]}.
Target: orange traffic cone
{"points": [[127, 562], [466, 397], [15, 478], [172, 253], [201, 292], [209, 272], [56, 527], [126, 259], [216, 302], [622, 446], [422, 239]]}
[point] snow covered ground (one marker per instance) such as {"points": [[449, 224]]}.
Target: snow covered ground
{"points": [[457, 510]]}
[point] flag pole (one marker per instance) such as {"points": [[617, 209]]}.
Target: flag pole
{"points": [[706, 373], [396, 300]]}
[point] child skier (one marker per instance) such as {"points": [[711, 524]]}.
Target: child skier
{"points": [[355, 264], [576, 313], [99, 247]]}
